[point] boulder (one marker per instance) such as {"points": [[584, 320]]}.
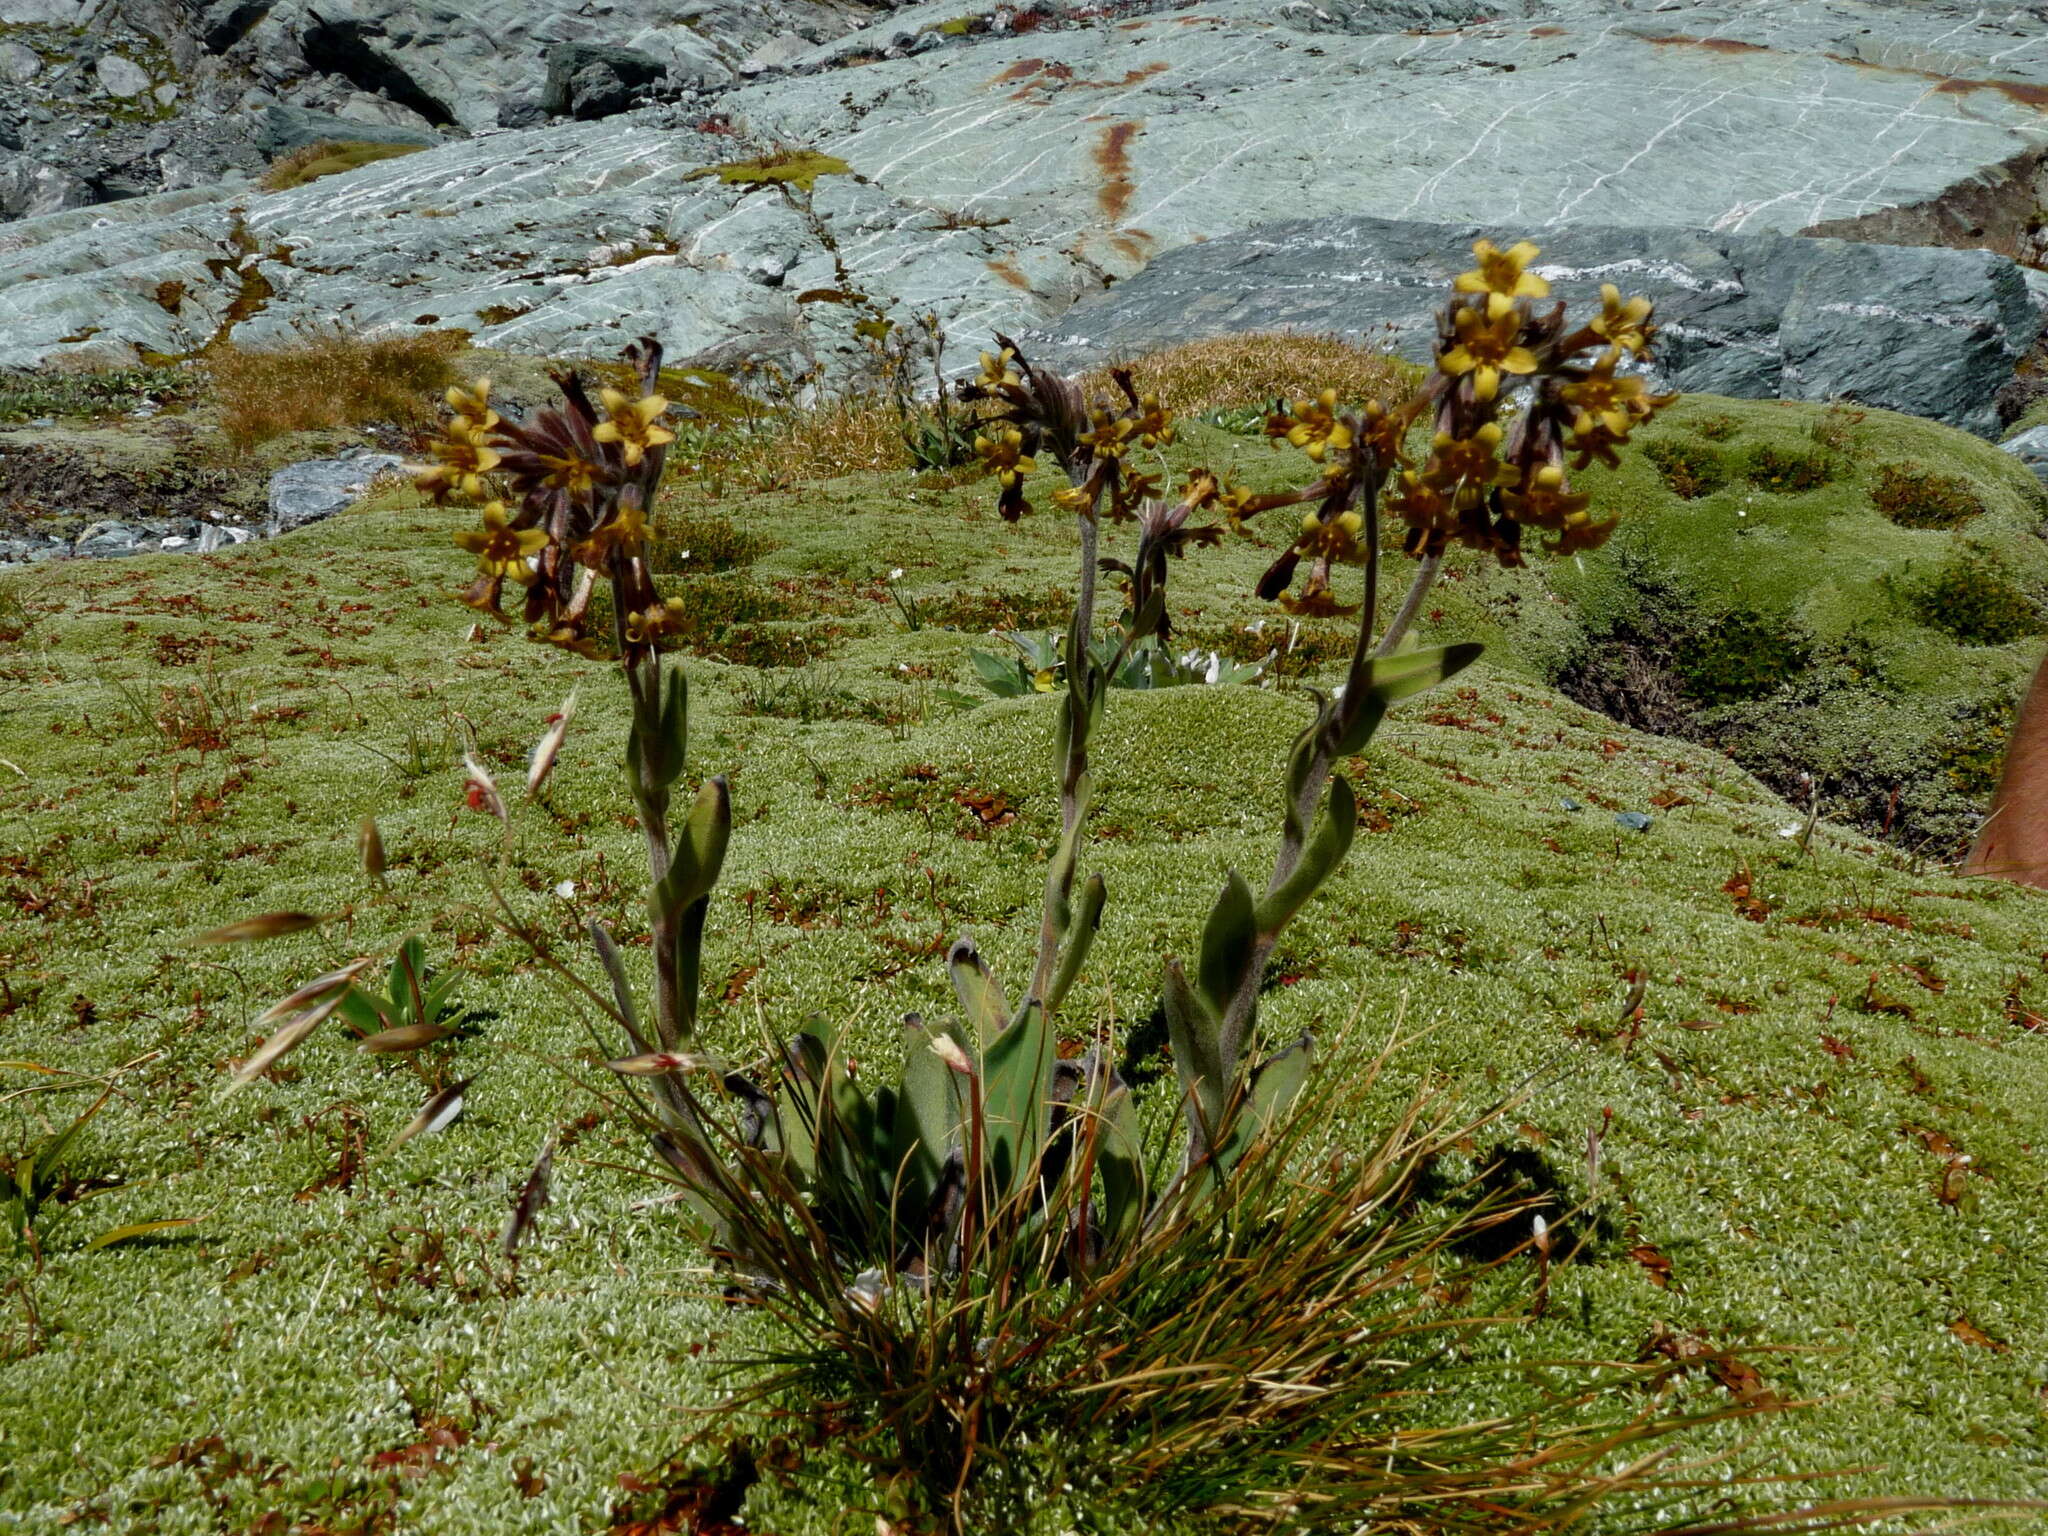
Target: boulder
{"points": [[1924, 330], [2031, 449], [316, 489], [593, 80], [283, 129], [121, 77], [19, 64]]}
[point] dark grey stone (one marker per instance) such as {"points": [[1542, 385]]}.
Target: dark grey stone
{"points": [[283, 129], [593, 80], [1924, 330]]}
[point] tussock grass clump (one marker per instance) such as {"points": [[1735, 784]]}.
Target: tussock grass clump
{"points": [[329, 158], [328, 380], [1916, 497], [1788, 470], [1692, 469], [1973, 598], [1251, 369]]}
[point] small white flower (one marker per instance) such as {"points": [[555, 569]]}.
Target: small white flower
{"points": [[566, 889], [897, 574], [1215, 669]]}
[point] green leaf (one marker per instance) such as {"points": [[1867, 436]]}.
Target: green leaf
{"points": [[406, 983], [700, 851], [980, 994], [1320, 857], [1086, 919], [366, 1013], [1270, 1093], [1228, 942], [1196, 1037], [658, 752], [930, 1110], [1002, 675], [1016, 1088], [1119, 1157], [1390, 679], [114, 1235]]}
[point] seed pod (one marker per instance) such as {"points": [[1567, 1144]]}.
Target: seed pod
{"points": [[655, 1063], [370, 844], [550, 746], [271, 925], [407, 1037], [437, 1114]]}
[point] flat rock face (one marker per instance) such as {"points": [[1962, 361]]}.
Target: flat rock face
{"points": [[1928, 331], [316, 489], [1000, 172]]}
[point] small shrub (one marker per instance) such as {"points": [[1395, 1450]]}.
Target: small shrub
{"points": [[328, 159], [1740, 655], [1914, 497], [1789, 471], [1973, 599], [979, 612], [793, 167], [109, 392], [690, 543], [1835, 428], [1691, 468], [328, 380], [1717, 428], [1972, 755]]}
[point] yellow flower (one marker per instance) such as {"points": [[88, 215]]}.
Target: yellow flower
{"points": [[1042, 680], [1545, 500], [625, 532], [652, 622], [500, 549], [996, 371], [1501, 271], [472, 405], [1600, 396], [1487, 348], [1002, 455], [634, 424], [1622, 322], [572, 474], [1314, 427], [465, 458], [1467, 461], [1153, 427], [1335, 540], [1076, 499], [1109, 436]]}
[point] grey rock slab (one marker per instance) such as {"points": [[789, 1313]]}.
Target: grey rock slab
{"points": [[2031, 449], [1000, 177], [1924, 330], [121, 77], [283, 129], [316, 489]]}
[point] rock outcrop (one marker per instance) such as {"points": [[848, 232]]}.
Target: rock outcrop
{"points": [[1930, 332], [1000, 161]]}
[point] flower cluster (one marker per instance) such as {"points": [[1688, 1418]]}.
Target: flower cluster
{"points": [[1515, 400], [565, 493]]}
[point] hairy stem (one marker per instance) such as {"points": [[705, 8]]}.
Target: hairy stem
{"points": [[1079, 705], [1411, 605]]}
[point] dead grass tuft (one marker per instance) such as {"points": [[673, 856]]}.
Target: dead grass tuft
{"points": [[328, 380], [328, 158], [1227, 372]]}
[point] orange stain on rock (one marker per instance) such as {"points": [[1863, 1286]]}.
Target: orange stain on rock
{"points": [[1009, 273], [1112, 159]]}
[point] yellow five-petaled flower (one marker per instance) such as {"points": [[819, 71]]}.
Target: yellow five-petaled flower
{"points": [[1487, 348], [1002, 455], [500, 549], [1501, 271], [472, 405], [1315, 427], [1622, 322], [635, 425], [465, 458]]}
